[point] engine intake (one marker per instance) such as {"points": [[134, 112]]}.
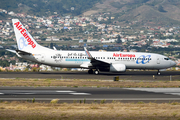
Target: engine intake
{"points": [[117, 68]]}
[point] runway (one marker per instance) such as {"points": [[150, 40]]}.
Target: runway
{"points": [[66, 94], [129, 75]]}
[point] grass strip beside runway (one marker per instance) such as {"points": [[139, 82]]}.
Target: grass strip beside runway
{"points": [[88, 83], [98, 111]]}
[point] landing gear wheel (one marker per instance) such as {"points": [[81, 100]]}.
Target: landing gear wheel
{"points": [[158, 73], [96, 72], [90, 71]]}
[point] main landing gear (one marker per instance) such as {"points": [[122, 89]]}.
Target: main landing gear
{"points": [[96, 72], [158, 73], [90, 71]]}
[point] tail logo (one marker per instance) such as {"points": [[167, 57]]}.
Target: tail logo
{"points": [[22, 43], [25, 35]]}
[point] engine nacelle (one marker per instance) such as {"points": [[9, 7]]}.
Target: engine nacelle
{"points": [[117, 68]]}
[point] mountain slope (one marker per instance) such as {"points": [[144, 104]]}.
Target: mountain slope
{"points": [[42, 7], [157, 12], [151, 12]]}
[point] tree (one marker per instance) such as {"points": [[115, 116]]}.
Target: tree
{"points": [[51, 45], [161, 9], [177, 37], [119, 39], [80, 29]]}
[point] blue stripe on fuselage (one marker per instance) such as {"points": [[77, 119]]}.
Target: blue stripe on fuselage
{"points": [[81, 60]]}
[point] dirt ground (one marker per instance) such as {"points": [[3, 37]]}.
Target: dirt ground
{"points": [[88, 83], [101, 111]]}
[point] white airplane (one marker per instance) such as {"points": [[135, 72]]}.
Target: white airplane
{"points": [[95, 61]]}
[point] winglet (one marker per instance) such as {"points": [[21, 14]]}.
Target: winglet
{"points": [[87, 53]]}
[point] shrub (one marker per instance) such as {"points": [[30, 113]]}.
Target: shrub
{"points": [[33, 100], [103, 101], [84, 101], [34, 69], [54, 101]]}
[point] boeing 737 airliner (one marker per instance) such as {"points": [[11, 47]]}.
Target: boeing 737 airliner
{"points": [[116, 61]]}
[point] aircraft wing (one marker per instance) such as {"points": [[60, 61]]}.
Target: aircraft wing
{"points": [[94, 61]]}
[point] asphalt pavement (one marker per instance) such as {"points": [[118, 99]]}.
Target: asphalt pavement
{"points": [[67, 94], [129, 75]]}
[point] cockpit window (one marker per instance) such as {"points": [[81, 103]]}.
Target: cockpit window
{"points": [[166, 58]]}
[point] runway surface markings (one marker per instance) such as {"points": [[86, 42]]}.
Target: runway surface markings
{"points": [[174, 93], [25, 93], [67, 91], [80, 93], [61, 92], [73, 92], [170, 91]]}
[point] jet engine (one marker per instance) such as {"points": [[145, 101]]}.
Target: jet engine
{"points": [[117, 68]]}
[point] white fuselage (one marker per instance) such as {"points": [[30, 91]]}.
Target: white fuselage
{"points": [[74, 59]]}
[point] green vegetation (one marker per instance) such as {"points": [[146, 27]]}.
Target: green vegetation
{"points": [[116, 5], [161, 9], [118, 39], [33, 100], [4, 63], [6, 58]]}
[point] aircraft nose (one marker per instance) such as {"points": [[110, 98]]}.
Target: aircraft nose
{"points": [[173, 63]]}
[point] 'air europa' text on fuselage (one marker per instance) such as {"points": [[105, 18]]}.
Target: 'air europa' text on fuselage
{"points": [[25, 35], [123, 55]]}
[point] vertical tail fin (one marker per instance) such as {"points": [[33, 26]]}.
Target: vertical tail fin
{"points": [[24, 40]]}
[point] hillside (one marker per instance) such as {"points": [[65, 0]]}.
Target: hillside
{"points": [[136, 12], [47, 7], [153, 12]]}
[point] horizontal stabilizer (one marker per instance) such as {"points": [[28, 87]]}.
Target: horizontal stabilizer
{"points": [[22, 52], [13, 51]]}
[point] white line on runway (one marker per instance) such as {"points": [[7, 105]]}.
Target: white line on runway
{"points": [[173, 93], [1, 93], [80, 93], [24, 93], [170, 91], [67, 91]]}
